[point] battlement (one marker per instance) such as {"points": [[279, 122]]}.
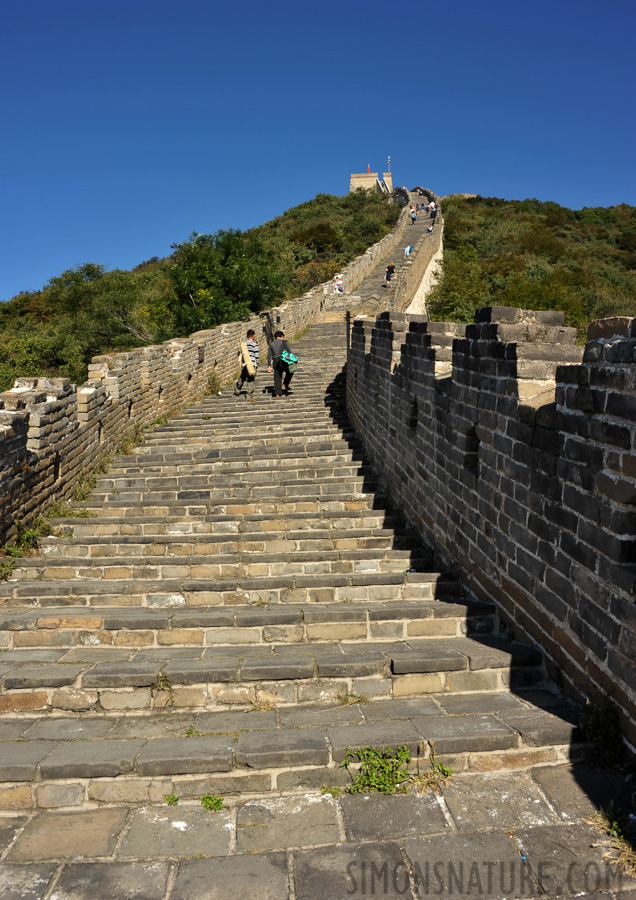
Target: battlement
{"points": [[514, 452]]}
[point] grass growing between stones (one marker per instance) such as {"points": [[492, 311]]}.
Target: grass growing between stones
{"points": [[436, 776], [386, 771], [620, 839], [351, 699], [383, 771], [172, 799], [26, 542], [211, 803], [163, 685]]}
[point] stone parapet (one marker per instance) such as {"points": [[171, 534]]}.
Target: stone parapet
{"points": [[514, 454]]}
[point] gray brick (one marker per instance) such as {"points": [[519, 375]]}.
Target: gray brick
{"points": [[91, 759], [186, 755], [282, 747], [19, 760]]}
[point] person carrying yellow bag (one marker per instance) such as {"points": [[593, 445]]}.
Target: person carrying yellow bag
{"points": [[249, 356]]}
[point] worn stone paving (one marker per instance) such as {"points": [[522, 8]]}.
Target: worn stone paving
{"points": [[494, 835]]}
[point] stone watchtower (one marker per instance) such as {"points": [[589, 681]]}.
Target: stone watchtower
{"points": [[371, 181]]}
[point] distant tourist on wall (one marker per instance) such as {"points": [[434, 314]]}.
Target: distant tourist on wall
{"points": [[408, 251], [429, 229], [413, 215], [390, 270], [432, 209], [338, 286]]}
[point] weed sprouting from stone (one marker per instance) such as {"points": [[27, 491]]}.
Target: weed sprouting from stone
{"points": [[333, 791], [383, 771], [163, 684], [211, 803], [620, 839], [350, 699], [172, 799], [437, 774]]}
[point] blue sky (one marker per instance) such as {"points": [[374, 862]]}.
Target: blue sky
{"points": [[129, 124]]}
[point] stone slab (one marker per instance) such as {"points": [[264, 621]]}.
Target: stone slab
{"points": [[428, 659], [486, 865], [351, 870], [400, 709], [381, 734], [539, 728], [19, 759], [68, 729], [459, 734], [145, 727], [28, 882], [496, 801], [91, 759], [579, 791], [375, 817], [275, 668], [12, 729], [170, 831], [568, 860], [330, 715], [66, 835], [474, 704], [281, 822], [112, 881], [35, 676], [282, 747], [201, 671], [133, 674], [350, 665], [262, 877], [186, 755], [241, 720]]}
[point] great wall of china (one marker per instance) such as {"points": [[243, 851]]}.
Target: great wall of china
{"points": [[509, 449]]}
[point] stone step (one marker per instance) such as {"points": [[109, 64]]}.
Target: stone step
{"points": [[245, 541], [334, 523], [275, 471], [108, 760], [130, 680], [168, 594], [320, 622], [253, 560], [265, 485], [242, 449], [310, 503]]}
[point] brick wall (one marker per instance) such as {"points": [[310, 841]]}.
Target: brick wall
{"points": [[515, 456]]}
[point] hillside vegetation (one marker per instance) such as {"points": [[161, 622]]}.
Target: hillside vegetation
{"points": [[209, 279], [536, 255]]}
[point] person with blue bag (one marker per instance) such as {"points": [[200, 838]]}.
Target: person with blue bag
{"points": [[282, 362]]}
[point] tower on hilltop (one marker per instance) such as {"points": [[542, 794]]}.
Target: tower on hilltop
{"points": [[371, 180]]}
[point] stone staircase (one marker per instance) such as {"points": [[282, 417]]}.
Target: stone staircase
{"points": [[239, 608]]}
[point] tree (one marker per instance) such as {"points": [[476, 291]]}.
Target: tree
{"points": [[222, 277]]}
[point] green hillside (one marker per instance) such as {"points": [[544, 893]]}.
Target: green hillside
{"points": [[536, 256], [209, 279]]}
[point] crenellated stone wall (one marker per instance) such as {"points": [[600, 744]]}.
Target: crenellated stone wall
{"points": [[514, 453]]}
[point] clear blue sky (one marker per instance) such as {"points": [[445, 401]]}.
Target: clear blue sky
{"points": [[129, 124]]}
